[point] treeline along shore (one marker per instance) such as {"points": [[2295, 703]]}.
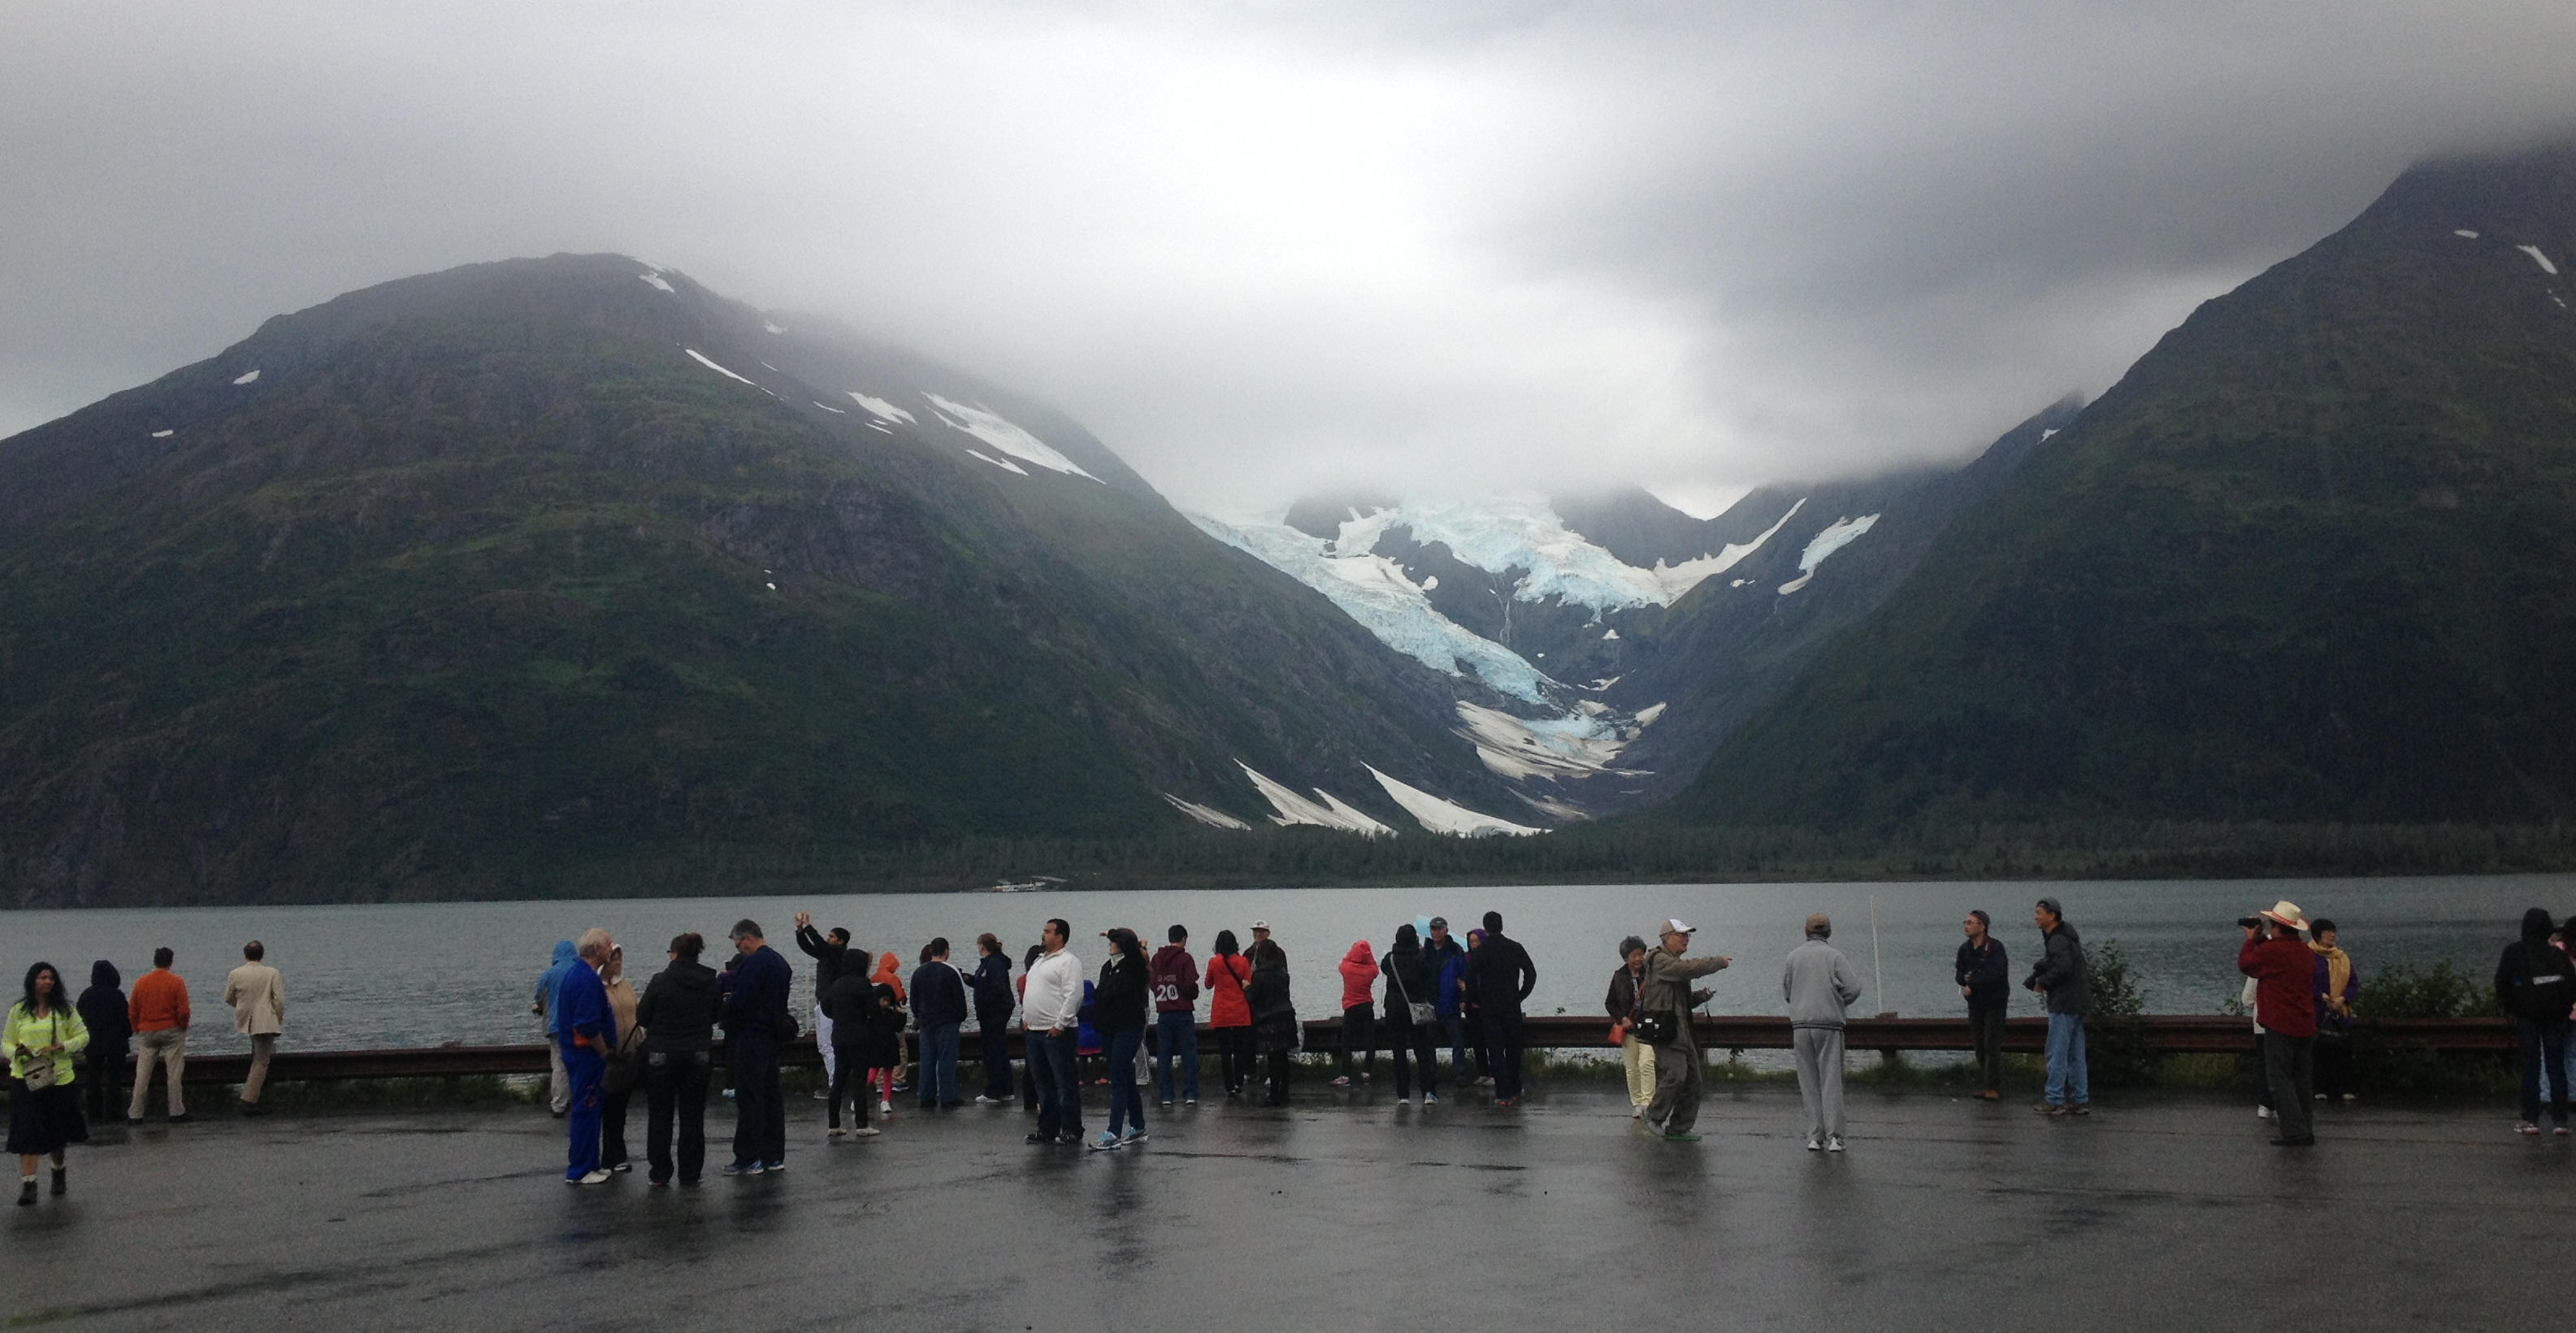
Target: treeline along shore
{"points": [[1610, 852]]}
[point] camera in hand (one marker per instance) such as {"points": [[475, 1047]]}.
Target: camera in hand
{"points": [[2250, 922]]}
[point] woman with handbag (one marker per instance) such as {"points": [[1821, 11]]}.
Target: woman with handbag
{"points": [[43, 1034], [1627, 985], [1229, 1017], [625, 1062], [1412, 1014]]}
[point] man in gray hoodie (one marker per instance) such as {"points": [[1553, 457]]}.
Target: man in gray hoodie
{"points": [[1819, 985]]}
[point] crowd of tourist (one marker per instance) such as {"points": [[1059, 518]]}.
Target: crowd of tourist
{"points": [[1428, 990]]}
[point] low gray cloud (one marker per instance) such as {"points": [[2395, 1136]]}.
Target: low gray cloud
{"points": [[1266, 248]]}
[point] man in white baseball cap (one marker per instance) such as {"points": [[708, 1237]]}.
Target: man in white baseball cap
{"points": [[1664, 1004]]}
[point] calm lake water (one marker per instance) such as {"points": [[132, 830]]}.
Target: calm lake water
{"points": [[419, 975]]}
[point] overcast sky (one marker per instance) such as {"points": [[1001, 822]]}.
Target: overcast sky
{"points": [[1272, 247]]}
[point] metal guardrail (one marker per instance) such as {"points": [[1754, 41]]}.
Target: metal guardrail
{"points": [[2171, 1033]]}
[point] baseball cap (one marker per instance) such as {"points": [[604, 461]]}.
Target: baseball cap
{"points": [[1439, 923], [1261, 925], [1674, 926]]}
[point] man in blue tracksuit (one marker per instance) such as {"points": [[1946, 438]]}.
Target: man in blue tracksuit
{"points": [[585, 1032], [558, 1088], [756, 1024]]}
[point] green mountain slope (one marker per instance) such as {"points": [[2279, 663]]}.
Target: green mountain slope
{"points": [[2313, 559], [489, 582]]}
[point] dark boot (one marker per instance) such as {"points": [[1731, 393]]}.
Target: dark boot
{"points": [[58, 1182], [27, 1192]]}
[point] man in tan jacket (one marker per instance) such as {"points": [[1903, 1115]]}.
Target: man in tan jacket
{"points": [[258, 997]]}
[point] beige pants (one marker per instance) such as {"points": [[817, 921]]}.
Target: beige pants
{"points": [[1640, 1060], [261, 1047], [169, 1048]]}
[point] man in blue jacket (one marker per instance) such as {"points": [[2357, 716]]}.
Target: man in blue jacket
{"points": [[558, 1088], [1449, 958], [756, 1024], [939, 1006], [585, 1032]]}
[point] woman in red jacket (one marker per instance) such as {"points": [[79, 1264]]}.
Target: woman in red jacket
{"points": [[1359, 1011], [1229, 1015]]}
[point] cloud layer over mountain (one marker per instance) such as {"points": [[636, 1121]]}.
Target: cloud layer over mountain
{"points": [[1276, 246]]}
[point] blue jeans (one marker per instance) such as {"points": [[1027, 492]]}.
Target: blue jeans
{"points": [[1052, 1065], [2544, 1047], [938, 1065], [582, 1068], [1176, 1034], [1126, 1103], [2067, 1081]]}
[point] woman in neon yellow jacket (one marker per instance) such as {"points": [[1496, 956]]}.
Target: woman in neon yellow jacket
{"points": [[44, 1033]]}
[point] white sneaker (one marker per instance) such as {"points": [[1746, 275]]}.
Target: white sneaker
{"points": [[2262, 1113], [594, 1178], [1431, 1099], [982, 1100], [885, 1108], [834, 1133], [1343, 1082], [1815, 1144], [1404, 1101], [1107, 1142], [866, 1132], [1636, 1113], [1834, 1144]]}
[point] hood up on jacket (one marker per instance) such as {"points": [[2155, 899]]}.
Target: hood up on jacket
{"points": [[1362, 955], [2536, 926], [564, 953], [104, 973]]}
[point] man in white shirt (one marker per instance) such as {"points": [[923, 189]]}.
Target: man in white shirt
{"points": [[258, 997], [1050, 1023]]}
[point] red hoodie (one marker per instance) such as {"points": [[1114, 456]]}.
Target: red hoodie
{"points": [[1359, 976], [1175, 979]]}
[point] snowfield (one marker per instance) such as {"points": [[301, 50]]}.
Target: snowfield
{"points": [[1840, 533], [1331, 812], [1558, 749], [1207, 814], [701, 359], [1447, 817], [881, 409], [993, 429]]}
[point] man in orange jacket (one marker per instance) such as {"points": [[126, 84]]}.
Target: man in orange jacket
{"points": [[159, 1008]]}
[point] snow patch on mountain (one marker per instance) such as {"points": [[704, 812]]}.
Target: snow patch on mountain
{"points": [[1372, 590], [1330, 812], [993, 429], [883, 410], [772, 327], [1003, 464], [2539, 258], [2463, 231], [829, 408], [701, 359], [1449, 817], [1838, 534], [163, 434], [251, 378], [654, 281], [1207, 814]]}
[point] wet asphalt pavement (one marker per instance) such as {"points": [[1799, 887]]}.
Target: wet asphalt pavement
{"points": [[1338, 1213]]}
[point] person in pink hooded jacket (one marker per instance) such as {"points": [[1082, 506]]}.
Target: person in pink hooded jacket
{"points": [[1359, 1012]]}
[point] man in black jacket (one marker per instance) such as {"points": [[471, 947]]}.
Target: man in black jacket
{"points": [[756, 1024], [678, 1015], [830, 953], [2536, 984], [1985, 982], [939, 1006], [1502, 976]]}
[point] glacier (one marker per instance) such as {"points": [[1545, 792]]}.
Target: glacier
{"points": [[1501, 534], [1372, 590]]}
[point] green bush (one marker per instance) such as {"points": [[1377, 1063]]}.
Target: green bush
{"points": [[2117, 1051]]}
